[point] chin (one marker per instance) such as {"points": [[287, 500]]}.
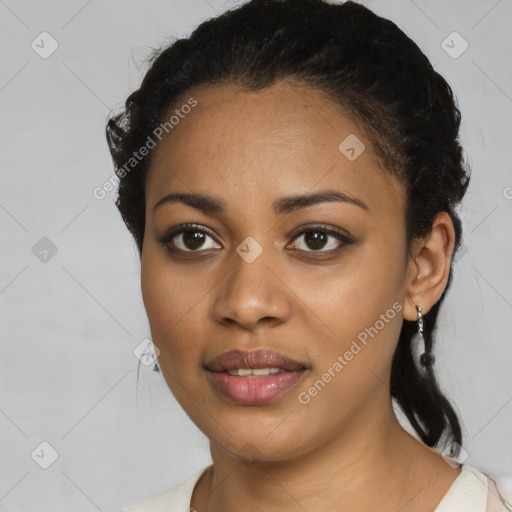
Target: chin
{"points": [[257, 446]]}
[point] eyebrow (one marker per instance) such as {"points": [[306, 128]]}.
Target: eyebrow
{"points": [[280, 206]]}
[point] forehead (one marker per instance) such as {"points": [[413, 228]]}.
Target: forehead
{"points": [[284, 138]]}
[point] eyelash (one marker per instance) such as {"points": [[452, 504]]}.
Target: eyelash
{"points": [[167, 237]]}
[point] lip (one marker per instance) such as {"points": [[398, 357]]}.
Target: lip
{"points": [[254, 390], [260, 358]]}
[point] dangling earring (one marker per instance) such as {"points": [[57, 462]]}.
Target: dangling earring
{"points": [[156, 368], [426, 359]]}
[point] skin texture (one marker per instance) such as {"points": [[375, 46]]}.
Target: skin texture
{"points": [[249, 149]]}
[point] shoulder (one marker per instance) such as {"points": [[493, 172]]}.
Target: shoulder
{"points": [[176, 499], [473, 491]]}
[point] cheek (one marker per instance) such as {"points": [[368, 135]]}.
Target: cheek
{"points": [[157, 293], [169, 307], [362, 319], [167, 299], [361, 302], [354, 295]]}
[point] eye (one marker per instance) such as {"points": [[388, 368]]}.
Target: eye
{"points": [[196, 238], [188, 238], [321, 239]]}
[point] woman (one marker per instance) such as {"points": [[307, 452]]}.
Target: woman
{"points": [[290, 175]]}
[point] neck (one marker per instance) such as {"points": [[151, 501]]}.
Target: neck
{"points": [[370, 465]]}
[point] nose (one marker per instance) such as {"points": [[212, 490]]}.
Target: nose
{"points": [[252, 295]]}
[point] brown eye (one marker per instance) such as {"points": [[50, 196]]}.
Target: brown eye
{"points": [[315, 240], [189, 238], [192, 239], [320, 239]]}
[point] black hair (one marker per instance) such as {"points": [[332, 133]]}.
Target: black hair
{"points": [[378, 76]]}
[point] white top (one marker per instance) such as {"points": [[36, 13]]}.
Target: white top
{"points": [[472, 491]]}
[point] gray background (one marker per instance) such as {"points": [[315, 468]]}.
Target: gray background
{"points": [[71, 321]]}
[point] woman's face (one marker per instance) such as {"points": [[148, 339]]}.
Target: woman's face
{"points": [[247, 277]]}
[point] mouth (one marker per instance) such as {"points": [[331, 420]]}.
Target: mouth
{"points": [[255, 372], [255, 377]]}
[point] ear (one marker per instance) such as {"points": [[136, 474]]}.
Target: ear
{"points": [[429, 267]]}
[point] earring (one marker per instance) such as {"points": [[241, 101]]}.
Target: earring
{"points": [[426, 359], [420, 320], [156, 368]]}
